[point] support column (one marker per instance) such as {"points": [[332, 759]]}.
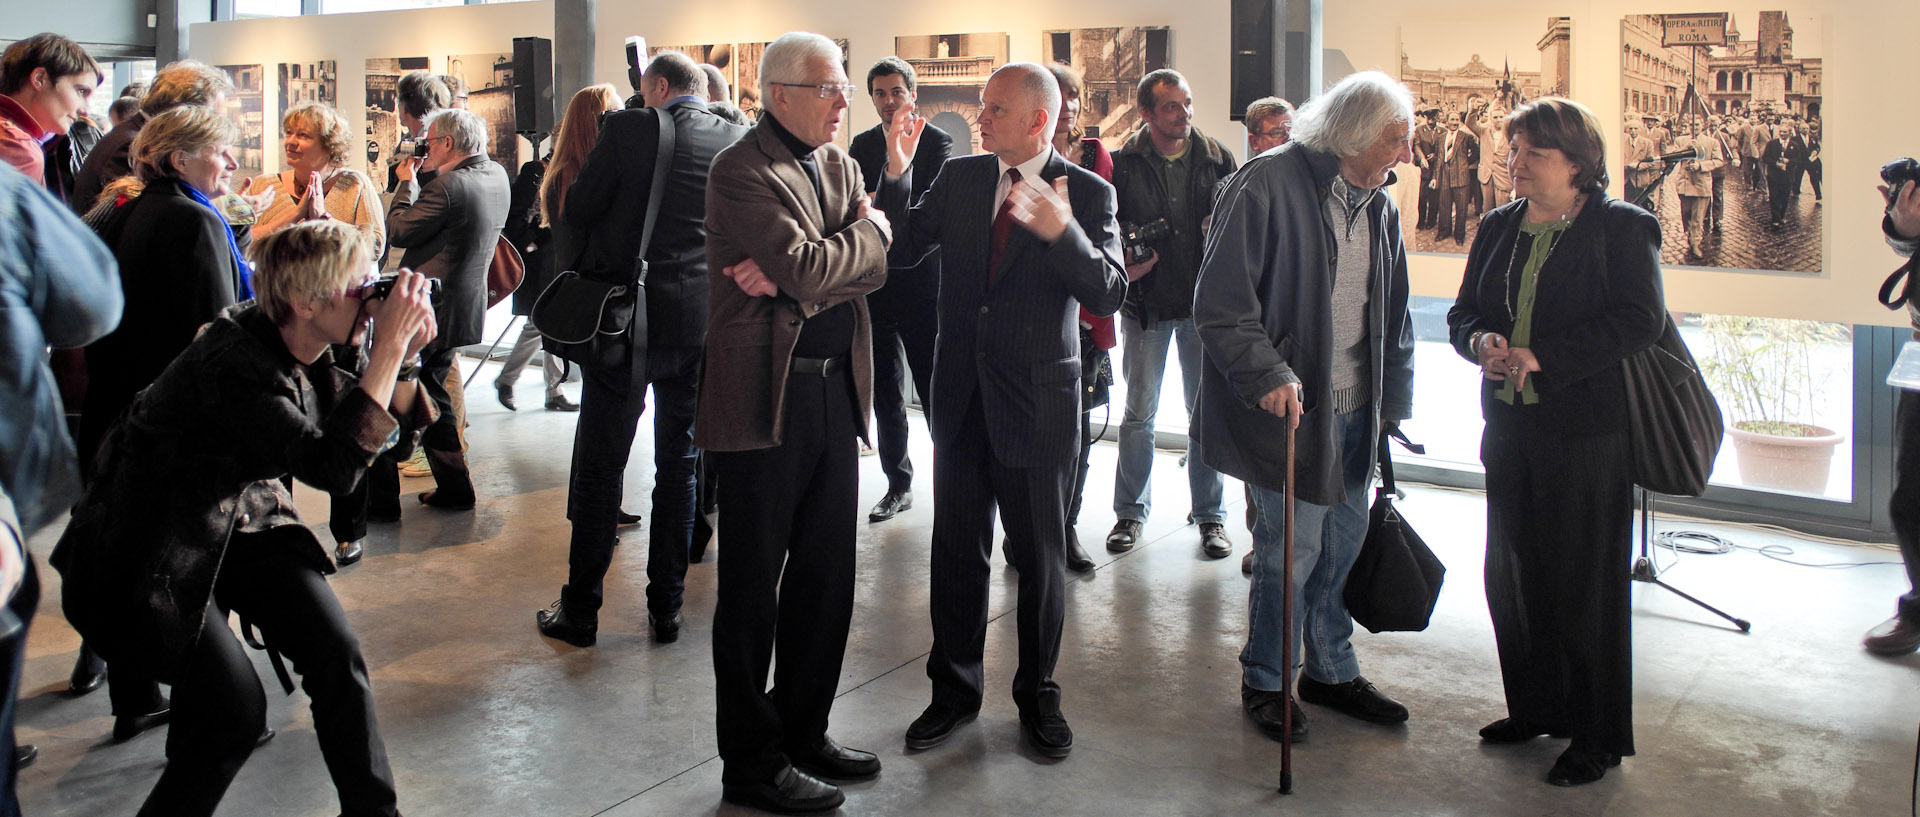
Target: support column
{"points": [[573, 34]]}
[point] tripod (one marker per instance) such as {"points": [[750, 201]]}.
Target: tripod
{"points": [[1645, 571]]}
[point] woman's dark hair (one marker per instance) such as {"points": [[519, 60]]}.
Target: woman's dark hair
{"points": [[1569, 127]]}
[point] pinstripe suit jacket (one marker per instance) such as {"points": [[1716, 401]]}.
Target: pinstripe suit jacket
{"points": [[1014, 341]]}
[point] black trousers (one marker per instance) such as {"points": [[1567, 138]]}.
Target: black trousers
{"points": [[1777, 192], [787, 521], [1559, 540], [219, 707], [441, 440], [904, 328], [1429, 200], [968, 486], [613, 395], [1453, 214], [1719, 211], [1814, 174], [1904, 507]]}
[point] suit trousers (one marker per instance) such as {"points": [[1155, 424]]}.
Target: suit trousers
{"points": [[968, 485], [1719, 212], [787, 522], [1453, 213], [904, 328], [1429, 200], [1777, 193], [1904, 508], [219, 708], [445, 456], [1559, 539]]}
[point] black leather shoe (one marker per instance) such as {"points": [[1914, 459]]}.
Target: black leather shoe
{"points": [[436, 499], [1578, 767], [349, 552], [1514, 730], [128, 727], [24, 755], [1246, 564], [1895, 636], [561, 403], [1263, 708], [625, 518], [506, 396], [828, 760], [1358, 697], [1048, 734], [891, 505], [555, 623], [89, 672], [935, 725], [1124, 535], [668, 631], [791, 792], [1214, 541], [1077, 558]]}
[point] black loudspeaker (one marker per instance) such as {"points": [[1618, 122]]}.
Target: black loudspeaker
{"points": [[533, 103], [1256, 28]]}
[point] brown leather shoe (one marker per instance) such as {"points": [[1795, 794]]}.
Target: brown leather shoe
{"points": [[1895, 636]]}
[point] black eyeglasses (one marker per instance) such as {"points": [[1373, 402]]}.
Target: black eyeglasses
{"points": [[826, 91]]}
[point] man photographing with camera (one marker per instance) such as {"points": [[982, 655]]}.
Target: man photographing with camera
{"points": [[1901, 634]]}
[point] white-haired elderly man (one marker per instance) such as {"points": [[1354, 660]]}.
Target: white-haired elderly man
{"points": [[787, 387], [1302, 308], [448, 229]]}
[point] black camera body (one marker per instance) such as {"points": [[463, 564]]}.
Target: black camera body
{"points": [[383, 286], [1136, 238], [1898, 173]]}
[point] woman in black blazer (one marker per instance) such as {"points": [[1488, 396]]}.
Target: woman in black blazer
{"points": [[1561, 286]]}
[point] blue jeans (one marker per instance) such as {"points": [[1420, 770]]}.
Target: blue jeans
{"points": [[1326, 541], [1144, 358]]}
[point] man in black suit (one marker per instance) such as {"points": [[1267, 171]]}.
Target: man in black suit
{"points": [[608, 204], [1026, 240], [903, 311], [449, 229]]}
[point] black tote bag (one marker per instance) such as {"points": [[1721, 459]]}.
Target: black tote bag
{"points": [[1396, 580], [1674, 425]]}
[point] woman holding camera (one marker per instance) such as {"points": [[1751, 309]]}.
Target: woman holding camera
{"points": [[187, 518], [1561, 285]]}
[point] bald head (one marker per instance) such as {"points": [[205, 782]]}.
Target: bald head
{"points": [[1017, 111]]}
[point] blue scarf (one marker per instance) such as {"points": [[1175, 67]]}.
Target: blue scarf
{"points": [[239, 263]]}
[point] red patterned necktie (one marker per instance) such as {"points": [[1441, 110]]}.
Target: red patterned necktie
{"points": [[1002, 225]]}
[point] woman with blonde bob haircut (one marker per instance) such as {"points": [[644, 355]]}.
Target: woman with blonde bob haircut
{"points": [[188, 520], [1562, 284], [317, 146]]}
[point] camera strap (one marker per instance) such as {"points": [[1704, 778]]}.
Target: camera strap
{"points": [[662, 167], [1894, 282]]}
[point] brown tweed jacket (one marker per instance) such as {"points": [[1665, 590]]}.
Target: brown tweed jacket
{"points": [[760, 205]]}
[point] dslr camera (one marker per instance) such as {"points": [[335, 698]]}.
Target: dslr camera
{"points": [[383, 286], [1897, 174], [1136, 238]]}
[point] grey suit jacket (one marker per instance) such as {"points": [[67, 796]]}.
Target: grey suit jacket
{"points": [[449, 229], [1015, 340]]}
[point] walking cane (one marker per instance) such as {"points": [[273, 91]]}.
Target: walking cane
{"points": [[1286, 621], [489, 355]]}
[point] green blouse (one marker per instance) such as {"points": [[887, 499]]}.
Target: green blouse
{"points": [[1544, 236]]}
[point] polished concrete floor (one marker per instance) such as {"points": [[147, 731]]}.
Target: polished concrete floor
{"points": [[483, 717]]}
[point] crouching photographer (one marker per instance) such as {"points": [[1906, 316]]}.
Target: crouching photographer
{"points": [[187, 518], [1901, 634]]}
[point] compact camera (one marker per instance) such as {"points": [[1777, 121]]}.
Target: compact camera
{"points": [[383, 286], [1136, 238], [410, 149]]}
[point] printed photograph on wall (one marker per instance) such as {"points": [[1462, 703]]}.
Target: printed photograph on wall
{"points": [[489, 81], [747, 89], [1722, 136], [383, 110], [1113, 60], [950, 71], [306, 82], [718, 55], [1466, 75], [246, 108]]}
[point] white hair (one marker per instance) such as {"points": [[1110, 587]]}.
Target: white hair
{"points": [[1350, 116], [785, 59], [467, 129], [1037, 86]]}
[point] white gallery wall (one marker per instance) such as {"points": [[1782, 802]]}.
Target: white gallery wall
{"points": [[1868, 91]]}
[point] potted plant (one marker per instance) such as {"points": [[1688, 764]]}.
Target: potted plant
{"points": [[1762, 371]]}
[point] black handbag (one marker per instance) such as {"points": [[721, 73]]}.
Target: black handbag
{"points": [[581, 318], [1396, 580], [1673, 423]]}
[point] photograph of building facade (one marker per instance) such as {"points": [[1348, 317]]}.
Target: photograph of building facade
{"points": [[950, 71], [1113, 61], [308, 82], [489, 79], [246, 107]]}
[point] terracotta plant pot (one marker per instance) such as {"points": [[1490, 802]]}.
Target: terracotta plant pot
{"points": [[1799, 464]]}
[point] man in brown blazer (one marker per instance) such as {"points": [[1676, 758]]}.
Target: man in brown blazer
{"points": [[787, 388]]}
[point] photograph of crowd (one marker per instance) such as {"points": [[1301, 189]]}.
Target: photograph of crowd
{"points": [[1113, 60], [1467, 75], [246, 108], [950, 71], [383, 118], [1722, 142]]}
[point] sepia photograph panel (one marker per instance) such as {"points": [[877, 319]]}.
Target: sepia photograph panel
{"points": [[950, 72]]}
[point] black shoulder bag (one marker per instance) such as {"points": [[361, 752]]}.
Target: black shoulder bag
{"points": [[576, 314], [1674, 425], [1396, 579]]}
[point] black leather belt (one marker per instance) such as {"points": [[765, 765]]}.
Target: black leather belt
{"points": [[818, 366]]}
